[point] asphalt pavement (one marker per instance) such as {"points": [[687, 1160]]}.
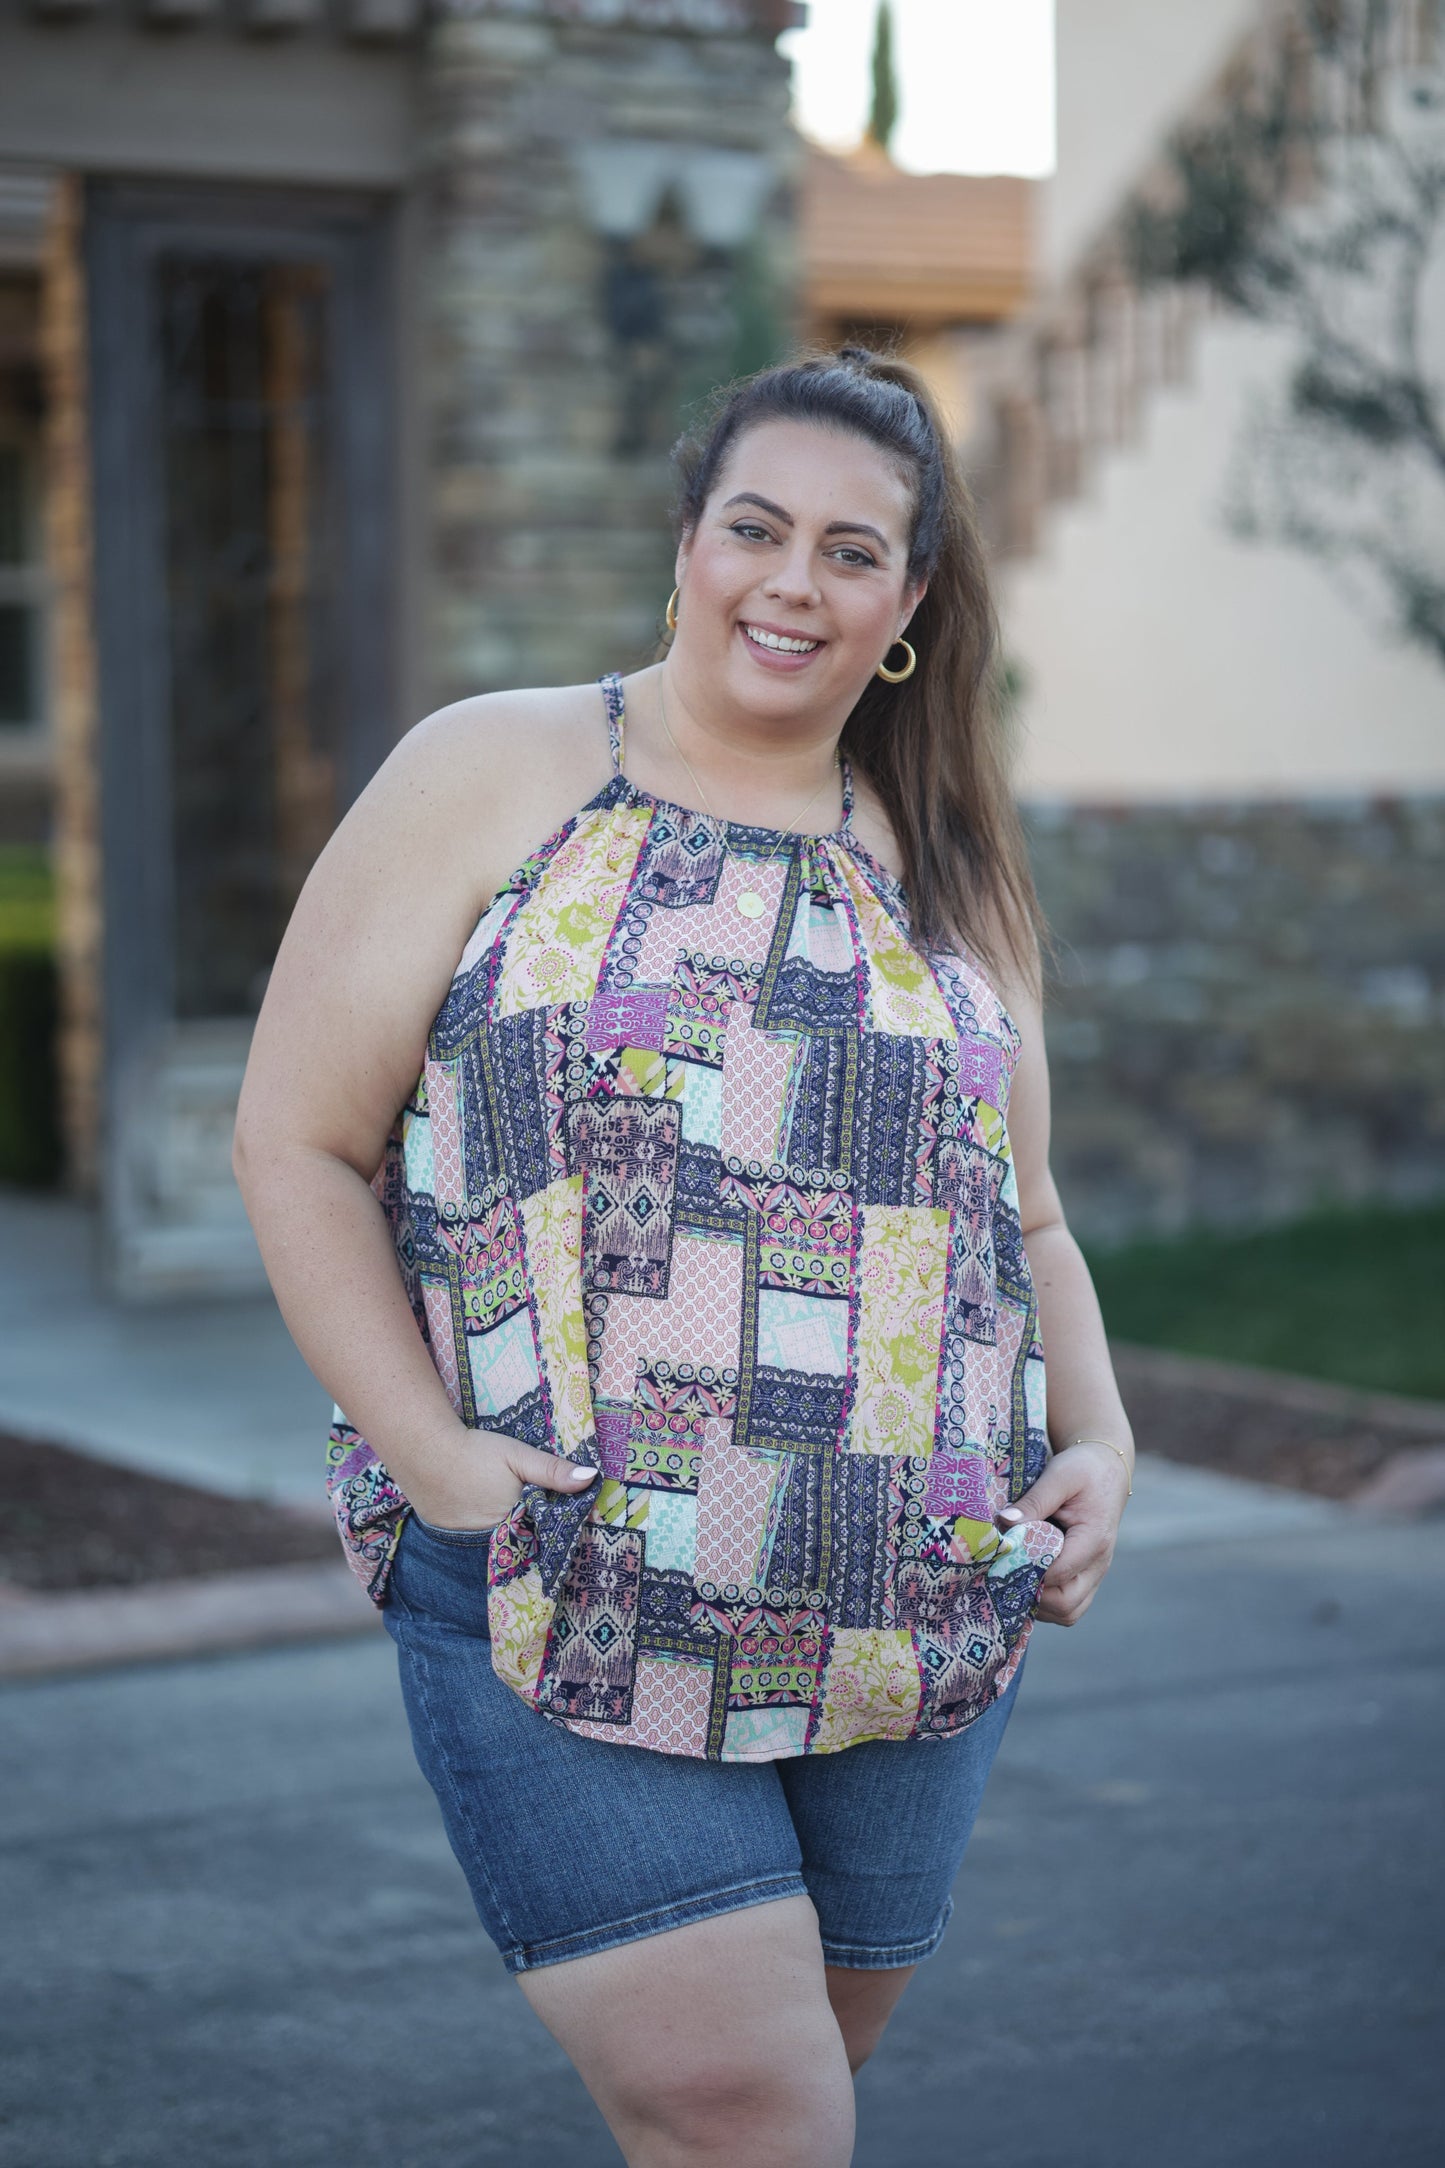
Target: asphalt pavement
{"points": [[1199, 1925]]}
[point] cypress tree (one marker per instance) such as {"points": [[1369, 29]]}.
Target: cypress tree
{"points": [[883, 116]]}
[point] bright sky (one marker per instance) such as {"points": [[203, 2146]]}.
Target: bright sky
{"points": [[975, 81]]}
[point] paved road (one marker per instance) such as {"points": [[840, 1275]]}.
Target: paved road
{"points": [[1200, 1925]]}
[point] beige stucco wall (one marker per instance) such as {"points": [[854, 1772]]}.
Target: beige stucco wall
{"points": [[1164, 658], [1126, 70]]}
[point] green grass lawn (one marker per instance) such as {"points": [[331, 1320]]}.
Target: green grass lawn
{"points": [[1356, 1296], [27, 900]]}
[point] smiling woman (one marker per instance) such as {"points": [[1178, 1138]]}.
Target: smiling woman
{"points": [[646, 1132], [838, 558]]}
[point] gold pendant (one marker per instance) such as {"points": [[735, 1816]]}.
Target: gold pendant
{"points": [[751, 904]]}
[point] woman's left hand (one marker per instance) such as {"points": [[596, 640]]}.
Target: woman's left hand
{"points": [[1082, 1490]]}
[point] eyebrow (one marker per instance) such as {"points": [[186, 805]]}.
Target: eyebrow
{"points": [[834, 526]]}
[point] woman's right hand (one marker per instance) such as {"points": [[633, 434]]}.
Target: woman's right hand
{"points": [[480, 1481]]}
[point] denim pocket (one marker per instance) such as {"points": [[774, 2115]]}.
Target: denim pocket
{"points": [[441, 1574], [465, 1538]]}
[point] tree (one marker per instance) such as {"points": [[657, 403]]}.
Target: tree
{"points": [[1318, 204], [883, 113]]}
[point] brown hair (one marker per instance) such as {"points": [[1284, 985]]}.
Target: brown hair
{"points": [[932, 747]]}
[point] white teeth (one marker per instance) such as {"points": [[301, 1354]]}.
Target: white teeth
{"points": [[779, 641]]}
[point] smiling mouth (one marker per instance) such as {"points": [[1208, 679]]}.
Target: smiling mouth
{"points": [[779, 643]]}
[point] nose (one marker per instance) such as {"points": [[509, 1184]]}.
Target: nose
{"points": [[792, 578]]}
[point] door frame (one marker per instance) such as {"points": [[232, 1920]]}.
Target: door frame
{"points": [[129, 225]]}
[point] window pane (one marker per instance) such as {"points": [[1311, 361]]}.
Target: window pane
{"points": [[12, 506], [19, 693], [247, 423]]}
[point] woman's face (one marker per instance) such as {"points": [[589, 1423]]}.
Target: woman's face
{"points": [[803, 542]]}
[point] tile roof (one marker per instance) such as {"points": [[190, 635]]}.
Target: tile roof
{"points": [[926, 248]]}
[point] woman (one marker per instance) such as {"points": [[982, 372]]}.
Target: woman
{"points": [[649, 1210]]}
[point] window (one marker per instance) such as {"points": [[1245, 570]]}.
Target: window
{"points": [[246, 349], [22, 587]]}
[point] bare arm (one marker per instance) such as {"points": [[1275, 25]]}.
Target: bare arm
{"points": [[362, 970], [1084, 1486]]}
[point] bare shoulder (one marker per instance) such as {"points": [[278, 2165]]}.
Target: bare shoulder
{"points": [[385, 912], [545, 722], [492, 776]]}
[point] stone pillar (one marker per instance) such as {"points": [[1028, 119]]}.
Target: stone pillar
{"points": [[609, 233]]}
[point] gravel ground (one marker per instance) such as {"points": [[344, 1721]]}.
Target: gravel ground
{"points": [[1294, 1432], [74, 1522]]}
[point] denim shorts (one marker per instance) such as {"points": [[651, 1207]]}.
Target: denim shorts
{"points": [[571, 1844]]}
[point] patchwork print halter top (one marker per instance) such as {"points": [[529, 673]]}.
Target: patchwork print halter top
{"points": [[720, 1200]]}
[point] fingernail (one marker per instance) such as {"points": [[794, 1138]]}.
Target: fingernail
{"points": [[1012, 1513], [583, 1473]]}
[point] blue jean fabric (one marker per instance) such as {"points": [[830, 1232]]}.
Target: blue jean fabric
{"points": [[572, 1844]]}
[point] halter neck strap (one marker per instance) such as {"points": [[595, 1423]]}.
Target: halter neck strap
{"points": [[616, 706], [846, 768]]}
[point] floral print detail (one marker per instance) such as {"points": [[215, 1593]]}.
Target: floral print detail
{"points": [[553, 1221], [556, 951], [902, 1276], [876, 1689]]}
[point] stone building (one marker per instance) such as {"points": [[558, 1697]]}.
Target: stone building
{"points": [[342, 345]]}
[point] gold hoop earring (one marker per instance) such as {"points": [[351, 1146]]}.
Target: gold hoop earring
{"points": [[896, 677], [672, 610]]}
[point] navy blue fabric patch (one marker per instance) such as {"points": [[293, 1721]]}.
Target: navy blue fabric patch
{"points": [[822, 1120], [803, 998], [788, 1407], [890, 1107], [858, 1565], [517, 1061]]}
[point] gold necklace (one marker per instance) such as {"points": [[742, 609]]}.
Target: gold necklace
{"points": [[749, 903]]}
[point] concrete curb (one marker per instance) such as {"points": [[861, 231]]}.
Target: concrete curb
{"points": [[1410, 1484], [92, 1629]]}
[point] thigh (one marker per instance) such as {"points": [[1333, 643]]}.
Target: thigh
{"points": [[882, 1829], [570, 1845], [715, 2042]]}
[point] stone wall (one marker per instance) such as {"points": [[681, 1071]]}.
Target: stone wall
{"points": [[564, 338], [1249, 1013]]}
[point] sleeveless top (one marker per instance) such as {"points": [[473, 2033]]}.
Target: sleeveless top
{"points": [[723, 1205]]}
